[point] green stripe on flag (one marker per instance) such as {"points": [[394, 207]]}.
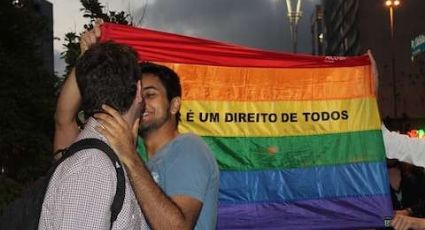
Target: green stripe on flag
{"points": [[254, 153], [234, 153]]}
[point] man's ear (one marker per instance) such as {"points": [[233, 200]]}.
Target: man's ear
{"points": [[175, 105]]}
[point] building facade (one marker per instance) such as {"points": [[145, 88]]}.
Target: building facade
{"points": [[354, 26]]}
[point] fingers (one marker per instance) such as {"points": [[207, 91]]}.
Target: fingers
{"points": [[110, 135], [90, 37], [369, 53], [105, 132], [109, 128], [87, 39], [401, 222], [108, 122], [117, 127], [115, 114], [118, 135], [96, 28], [396, 222], [373, 62], [135, 128], [375, 72], [403, 212], [98, 21]]}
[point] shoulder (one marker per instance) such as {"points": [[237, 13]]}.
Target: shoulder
{"points": [[88, 174], [192, 146], [86, 160], [190, 150], [190, 138], [192, 169], [190, 141]]}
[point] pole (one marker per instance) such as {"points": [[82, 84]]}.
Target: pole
{"points": [[294, 30], [391, 11], [294, 16]]}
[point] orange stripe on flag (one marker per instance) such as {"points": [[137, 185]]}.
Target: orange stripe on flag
{"points": [[203, 82]]}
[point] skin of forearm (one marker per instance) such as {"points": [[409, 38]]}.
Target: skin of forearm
{"points": [[160, 211], [64, 135], [66, 127]]}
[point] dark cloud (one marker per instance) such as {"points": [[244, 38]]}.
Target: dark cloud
{"points": [[254, 23]]}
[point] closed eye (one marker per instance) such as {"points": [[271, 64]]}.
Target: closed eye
{"points": [[149, 95]]}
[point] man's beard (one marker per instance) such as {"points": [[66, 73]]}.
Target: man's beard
{"points": [[145, 130]]}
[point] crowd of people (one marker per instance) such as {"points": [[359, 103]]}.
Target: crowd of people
{"points": [[121, 99]]}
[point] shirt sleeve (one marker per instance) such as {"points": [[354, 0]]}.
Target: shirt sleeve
{"points": [[85, 199], [403, 148]]}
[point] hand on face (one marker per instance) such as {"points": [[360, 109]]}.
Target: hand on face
{"points": [[119, 134]]}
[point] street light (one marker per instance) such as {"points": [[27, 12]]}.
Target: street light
{"points": [[392, 4], [17, 3], [294, 15]]}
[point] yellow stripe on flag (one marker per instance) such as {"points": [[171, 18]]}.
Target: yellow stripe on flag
{"points": [[268, 119]]}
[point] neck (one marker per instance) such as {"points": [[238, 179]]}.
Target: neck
{"points": [[155, 140]]}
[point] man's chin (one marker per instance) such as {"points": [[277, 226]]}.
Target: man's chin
{"points": [[144, 130]]}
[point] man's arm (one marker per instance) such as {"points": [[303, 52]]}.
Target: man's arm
{"points": [[161, 211], [69, 100], [66, 127], [404, 148]]}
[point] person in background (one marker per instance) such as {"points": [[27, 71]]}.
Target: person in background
{"points": [[406, 185]]}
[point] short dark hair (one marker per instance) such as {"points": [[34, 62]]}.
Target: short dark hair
{"points": [[169, 79], [107, 73]]}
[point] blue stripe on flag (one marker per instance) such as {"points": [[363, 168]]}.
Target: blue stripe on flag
{"points": [[346, 180]]}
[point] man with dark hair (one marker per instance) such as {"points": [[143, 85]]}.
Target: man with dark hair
{"points": [[169, 79], [82, 189], [177, 188], [107, 74]]}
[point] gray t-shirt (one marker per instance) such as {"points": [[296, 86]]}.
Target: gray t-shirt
{"points": [[185, 166]]}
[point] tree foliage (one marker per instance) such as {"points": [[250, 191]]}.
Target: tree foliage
{"points": [[27, 99], [27, 92], [92, 10], [72, 50]]}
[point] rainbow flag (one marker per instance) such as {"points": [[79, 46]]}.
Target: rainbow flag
{"points": [[297, 138]]}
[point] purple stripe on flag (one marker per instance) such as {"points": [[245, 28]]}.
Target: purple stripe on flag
{"points": [[336, 213]]}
